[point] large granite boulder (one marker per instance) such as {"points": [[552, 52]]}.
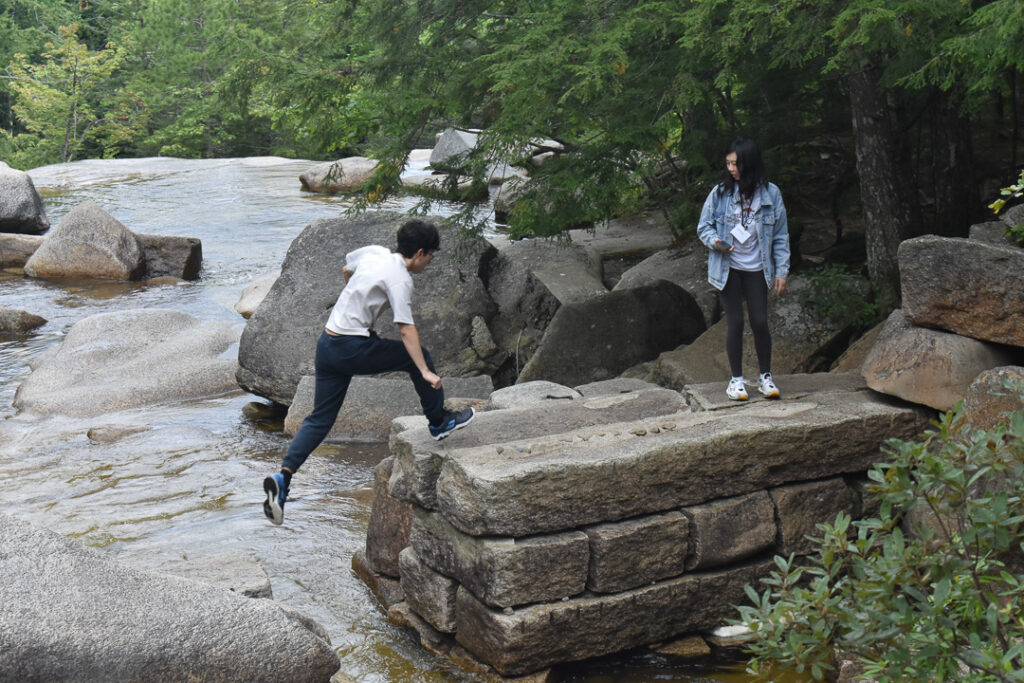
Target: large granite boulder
{"points": [[14, 321], [993, 395], [126, 359], [373, 402], [854, 356], [926, 366], [333, 177], [91, 243], [21, 209], [687, 267], [802, 341], [279, 341], [600, 338], [529, 281], [15, 250], [74, 614], [970, 287]]}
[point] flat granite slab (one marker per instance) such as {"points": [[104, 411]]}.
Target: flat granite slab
{"points": [[711, 395], [608, 472], [418, 457]]}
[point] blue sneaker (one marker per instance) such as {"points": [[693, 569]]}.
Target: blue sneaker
{"points": [[273, 506], [451, 422]]}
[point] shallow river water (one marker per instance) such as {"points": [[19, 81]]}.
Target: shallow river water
{"points": [[189, 484]]}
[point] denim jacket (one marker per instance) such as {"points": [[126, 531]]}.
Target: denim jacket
{"points": [[718, 218]]}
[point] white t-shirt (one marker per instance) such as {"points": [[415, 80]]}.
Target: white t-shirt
{"points": [[378, 277], [746, 254]]}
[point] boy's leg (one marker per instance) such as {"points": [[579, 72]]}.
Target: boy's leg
{"points": [[333, 376], [389, 355], [328, 396], [332, 383]]}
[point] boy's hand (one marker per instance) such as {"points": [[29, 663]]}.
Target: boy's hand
{"points": [[432, 379], [347, 273]]}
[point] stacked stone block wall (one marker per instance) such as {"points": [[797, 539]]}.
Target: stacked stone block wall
{"points": [[566, 544]]}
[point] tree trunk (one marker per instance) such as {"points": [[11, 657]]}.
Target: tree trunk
{"points": [[887, 206], [956, 195]]}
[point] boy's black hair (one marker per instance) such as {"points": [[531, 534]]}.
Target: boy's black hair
{"points": [[415, 235]]}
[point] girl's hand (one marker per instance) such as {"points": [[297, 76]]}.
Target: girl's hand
{"points": [[780, 285], [723, 247]]}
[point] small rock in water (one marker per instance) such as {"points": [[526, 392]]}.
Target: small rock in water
{"points": [[257, 410], [689, 648], [110, 433]]}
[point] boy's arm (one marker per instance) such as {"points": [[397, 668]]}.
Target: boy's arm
{"points": [[411, 340]]}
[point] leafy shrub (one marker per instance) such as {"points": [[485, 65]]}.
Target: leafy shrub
{"points": [[932, 589], [1015, 232]]}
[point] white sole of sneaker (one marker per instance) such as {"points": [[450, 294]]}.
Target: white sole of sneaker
{"points": [[271, 508], [769, 394]]}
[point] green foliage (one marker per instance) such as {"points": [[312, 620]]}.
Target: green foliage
{"points": [[62, 101], [1015, 191], [932, 588], [641, 96], [840, 295]]}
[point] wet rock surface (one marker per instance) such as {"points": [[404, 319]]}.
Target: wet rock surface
{"points": [[21, 209], [116, 361], [93, 618], [91, 243]]}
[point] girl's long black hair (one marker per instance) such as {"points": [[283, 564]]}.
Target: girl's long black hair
{"points": [[751, 167]]}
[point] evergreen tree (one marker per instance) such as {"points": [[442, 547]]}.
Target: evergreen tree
{"points": [[62, 102]]}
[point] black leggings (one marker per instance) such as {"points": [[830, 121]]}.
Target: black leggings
{"points": [[749, 285]]}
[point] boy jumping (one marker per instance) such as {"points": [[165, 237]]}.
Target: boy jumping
{"points": [[348, 346]]}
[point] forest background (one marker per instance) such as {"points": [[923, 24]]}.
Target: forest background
{"points": [[908, 111]]}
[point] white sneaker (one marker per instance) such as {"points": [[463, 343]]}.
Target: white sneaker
{"points": [[767, 387], [736, 390]]}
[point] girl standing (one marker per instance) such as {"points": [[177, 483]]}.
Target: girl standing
{"points": [[743, 224]]}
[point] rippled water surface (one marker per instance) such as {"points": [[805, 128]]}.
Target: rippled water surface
{"points": [[188, 482]]}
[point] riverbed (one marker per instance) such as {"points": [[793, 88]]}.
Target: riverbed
{"points": [[189, 483]]}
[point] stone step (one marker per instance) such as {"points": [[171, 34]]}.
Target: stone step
{"points": [[711, 395], [419, 457], [612, 471]]}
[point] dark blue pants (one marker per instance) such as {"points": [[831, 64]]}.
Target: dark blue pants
{"points": [[752, 287], [337, 360]]}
